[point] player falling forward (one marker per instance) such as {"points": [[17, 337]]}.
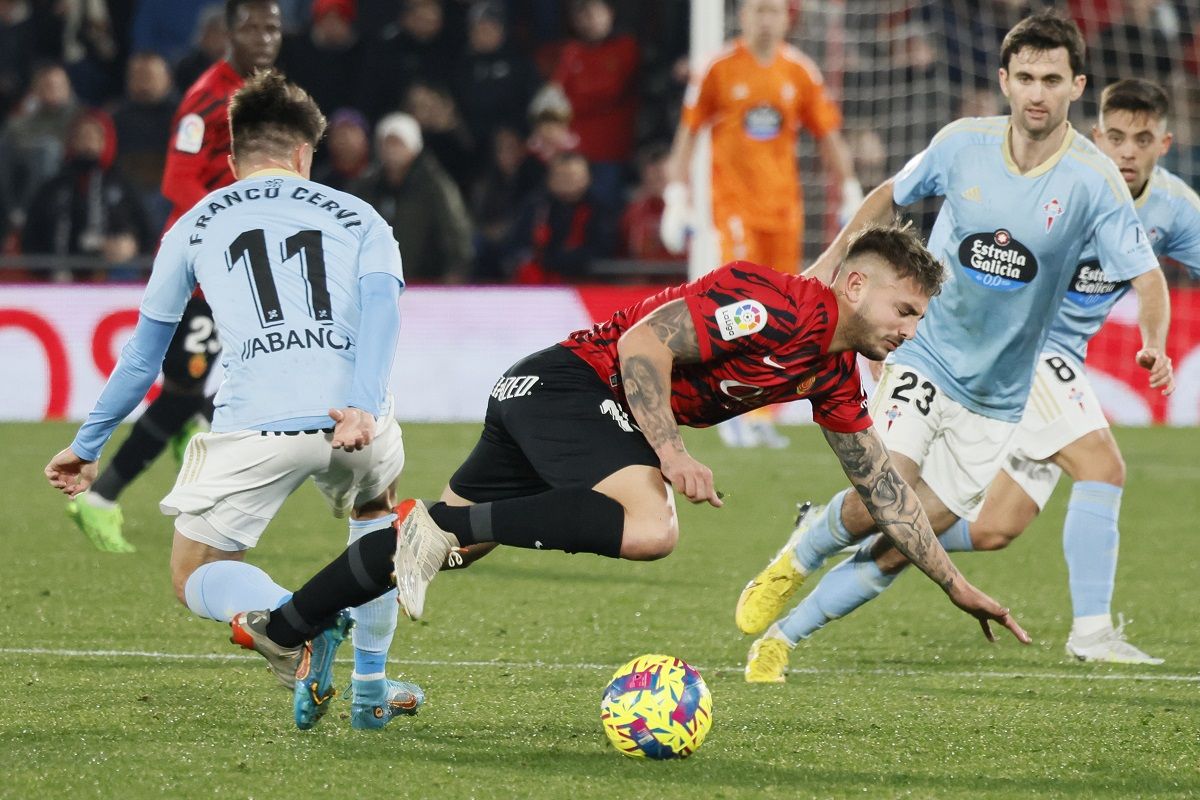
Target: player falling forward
{"points": [[756, 95], [1023, 196], [581, 442], [305, 281], [1064, 428], [197, 163]]}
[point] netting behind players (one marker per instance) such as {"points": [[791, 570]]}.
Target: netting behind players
{"points": [[905, 68]]}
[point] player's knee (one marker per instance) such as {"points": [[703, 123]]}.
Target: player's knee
{"points": [[179, 579], [992, 538], [649, 541]]}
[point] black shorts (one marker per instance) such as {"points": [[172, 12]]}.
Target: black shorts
{"points": [[193, 349], [551, 423]]}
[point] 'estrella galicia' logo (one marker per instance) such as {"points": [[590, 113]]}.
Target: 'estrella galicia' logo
{"points": [[1090, 287], [997, 260]]}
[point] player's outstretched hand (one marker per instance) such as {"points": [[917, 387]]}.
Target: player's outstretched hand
{"points": [[986, 610], [691, 479], [1162, 373], [69, 473], [353, 429]]}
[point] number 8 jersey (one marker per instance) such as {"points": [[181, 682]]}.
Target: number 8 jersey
{"points": [[279, 258]]}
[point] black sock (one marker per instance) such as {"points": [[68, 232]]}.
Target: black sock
{"points": [[162, 420], [361, 573], [573, 520]]}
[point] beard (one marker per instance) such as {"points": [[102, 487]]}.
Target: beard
{"points": [[864, 339]]}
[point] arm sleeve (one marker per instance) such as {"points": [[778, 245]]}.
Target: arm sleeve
{"points": [[379, 252], [378, 332], [1121, 242], [819, 114], [171, 280], [135, 372], [925, 175], [1184, 246], [738, 307], [699, 101]]}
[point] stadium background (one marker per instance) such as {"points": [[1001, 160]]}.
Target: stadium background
{"points": [[901, 70]]}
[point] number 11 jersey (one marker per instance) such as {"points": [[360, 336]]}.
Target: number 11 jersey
{"points": [[279, 258]]}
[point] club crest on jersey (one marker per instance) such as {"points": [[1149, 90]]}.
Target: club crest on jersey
{"points": [[1076, 396], [762, 122], [892, 415], [806, 384], [1054, 210], [741, 319], [998, 261], [1090, 286]]}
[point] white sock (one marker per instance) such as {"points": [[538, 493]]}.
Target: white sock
{"points": [[96, 501], [1086, 626], [220, 589]]}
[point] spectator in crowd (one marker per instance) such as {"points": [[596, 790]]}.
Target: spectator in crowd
{"points": [[642, 216], [414, 46], [208, 46], [494, 82], [16, 52], [563, 229], [550, 134], [31, 146], [167, 28], [87, 208], [326, 58], [143, 127], [418, 199], [1137, 43], [598, 73], [86, 46], [495, 200], [347, 150], [445, 134]]}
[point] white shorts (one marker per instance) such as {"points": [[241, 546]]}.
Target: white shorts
{"points": [[231, 485], [959, 452], [1062, 408]]}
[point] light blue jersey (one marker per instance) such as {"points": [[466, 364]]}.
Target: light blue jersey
{"points": [[1170, 213], [279, 259], [1011, 243]]}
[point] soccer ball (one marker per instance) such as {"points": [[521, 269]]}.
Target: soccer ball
{"points": [[656, 707]]}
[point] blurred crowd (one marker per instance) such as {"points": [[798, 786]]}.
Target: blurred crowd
{"points": [[504, 140]]}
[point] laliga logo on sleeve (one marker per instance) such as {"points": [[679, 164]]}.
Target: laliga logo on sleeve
{"points": [[741, 319], [1053, 210]]}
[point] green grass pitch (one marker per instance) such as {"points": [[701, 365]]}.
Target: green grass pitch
{"points": [[111, 689]]}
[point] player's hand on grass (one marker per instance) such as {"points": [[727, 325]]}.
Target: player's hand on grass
{"points": [[69, 473], [986, 610], [690, 478], [353, 429], [1162, 373]]}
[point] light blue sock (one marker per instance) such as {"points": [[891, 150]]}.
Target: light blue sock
{"points": [[844, 588], [1090, 543], [825, 536], [957, 538], [219, 589], [375, 621]]}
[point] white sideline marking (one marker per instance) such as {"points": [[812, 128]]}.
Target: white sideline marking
{"points": [[994, 674]]}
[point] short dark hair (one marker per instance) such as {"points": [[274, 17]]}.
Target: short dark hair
{"points": [[270, 115], [1137, 96], [232, 6], [899, 245], [1045, 31]]}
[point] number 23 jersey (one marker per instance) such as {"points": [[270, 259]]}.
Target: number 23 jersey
{"points": [[279, 258]]}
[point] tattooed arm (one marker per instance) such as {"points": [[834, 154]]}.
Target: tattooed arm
{"points": [[647, 352], [898, 514]]}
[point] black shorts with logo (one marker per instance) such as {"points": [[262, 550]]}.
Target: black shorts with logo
{"points": [[551, 423], [193, 348]]}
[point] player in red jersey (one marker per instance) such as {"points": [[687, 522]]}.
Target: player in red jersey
{"points": [[197, 163], [581, 442]]}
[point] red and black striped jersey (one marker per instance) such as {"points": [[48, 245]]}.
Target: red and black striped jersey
{"points": [[197, 158], [764, 338]]}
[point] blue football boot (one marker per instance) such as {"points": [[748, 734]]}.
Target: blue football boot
{"points": [[314, 677], [375, 702]]}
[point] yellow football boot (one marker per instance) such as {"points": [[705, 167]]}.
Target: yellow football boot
{"points": [[767, 661]]}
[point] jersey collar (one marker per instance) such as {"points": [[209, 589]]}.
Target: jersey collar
{"points": [[1142, 198], [1045, 166], [272, 172]]}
